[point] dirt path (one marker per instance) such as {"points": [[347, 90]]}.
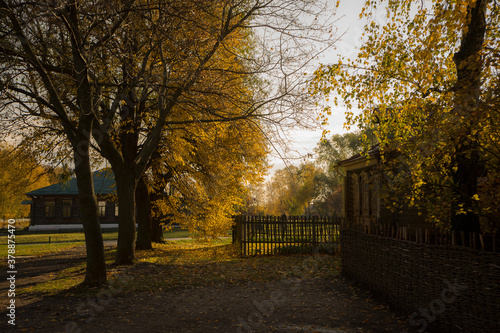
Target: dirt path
{"points": [[288, 305]]}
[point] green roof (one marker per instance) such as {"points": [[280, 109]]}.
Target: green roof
{"points": [[104, 183]]}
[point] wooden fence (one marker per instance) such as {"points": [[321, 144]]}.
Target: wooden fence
{"points": [[441, 288], [286, 234], [426, 233], [412, 266]]}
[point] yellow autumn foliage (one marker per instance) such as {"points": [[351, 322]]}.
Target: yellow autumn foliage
{"points": [[19, 174], [433, 100]]}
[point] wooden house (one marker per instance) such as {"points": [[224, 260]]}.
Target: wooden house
{"points": [[362, 194], [57, 206]]}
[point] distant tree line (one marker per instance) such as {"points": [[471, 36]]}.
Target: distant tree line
{"points": [[311, 188]]}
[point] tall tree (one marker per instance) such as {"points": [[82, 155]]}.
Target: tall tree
{"points": [[329, 152], [427, 78], [20, 173], [47, 79], [207, 170], [339, 147], [294, 190], [100, 70], [200, 63], [255, 201]]}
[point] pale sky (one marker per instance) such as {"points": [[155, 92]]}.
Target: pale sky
{"points": [[351, 27]]}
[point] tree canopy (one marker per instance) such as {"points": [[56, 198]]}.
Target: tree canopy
{"points": [[313, 187], [115, 76], [426, 78], [20, 173], [207, 172]]}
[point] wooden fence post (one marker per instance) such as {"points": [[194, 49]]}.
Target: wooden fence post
{"points": [[235, 229]]}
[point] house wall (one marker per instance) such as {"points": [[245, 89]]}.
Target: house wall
{"points": [[38, 216], [363, 205], [349, 198]]}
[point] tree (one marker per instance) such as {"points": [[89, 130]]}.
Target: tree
{"points": [[315, 187], [295, 190], [329, 152], [427, 79], [337, 148], [47, 81], [98, 71], [279, 191], [207, 172], [255, 201], [222, 93], [176, 80], [20, 173], [144, 211]]}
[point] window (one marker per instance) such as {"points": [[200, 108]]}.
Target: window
{"points": [[66, 208], [116, 209], [355, 195], [49, 208], [365, 195], [375, 204], [102, 208]]}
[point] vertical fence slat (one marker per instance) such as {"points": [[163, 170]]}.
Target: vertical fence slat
{"points": [[284, 234]]}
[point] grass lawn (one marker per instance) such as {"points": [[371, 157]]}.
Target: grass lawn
{"points": [[38, 244], [54, 237], [27, 238], [38, 250]]}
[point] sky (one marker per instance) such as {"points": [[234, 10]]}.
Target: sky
{"points": [[351, 28]]}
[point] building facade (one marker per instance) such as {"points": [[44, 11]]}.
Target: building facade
{"points": [[58, 204], [363, 203]]}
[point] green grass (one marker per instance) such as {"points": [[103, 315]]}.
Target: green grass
{"points": [[38, 244], [58, 282], [54, 238], [38, 250], [176, 234], [27, 238], [293, 236]]}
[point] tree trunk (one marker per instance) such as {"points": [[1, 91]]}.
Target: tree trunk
{"points": [[157, 231], [467, 95], [96, 265], [157, 227], [125, 187], [465, 180], [143, 206]]}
